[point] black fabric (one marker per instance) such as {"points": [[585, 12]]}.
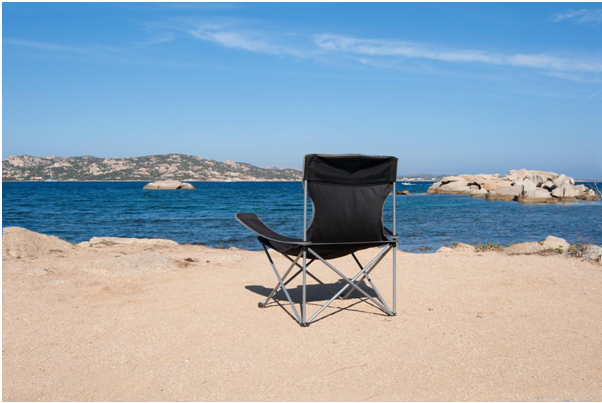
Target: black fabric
{"points": [[350, 169], [347, 213], [252, 222], [348, 193], [327, 252]]}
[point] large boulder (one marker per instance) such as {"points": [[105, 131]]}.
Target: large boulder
{"points": [[553, 242], [479, 193], [536, 178], [593, 253], [528, 185], [524, 248], [454, 185], [537, 195], [581, 190], [506, 193], [21, 243], [549, 185], [463, 247], [487, 183], [515, 175], [565, 191], [434, 188], [168, 185], [562, 180], [585, 193], [590, 195]]}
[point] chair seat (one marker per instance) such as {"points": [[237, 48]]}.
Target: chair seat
{"points": [[292, 246], [327, 251]]}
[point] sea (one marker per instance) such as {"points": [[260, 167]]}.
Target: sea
{"points": [[78, 211]]}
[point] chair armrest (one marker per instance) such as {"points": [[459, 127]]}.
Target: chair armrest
{"points": [[388, 233], [252, 222]]}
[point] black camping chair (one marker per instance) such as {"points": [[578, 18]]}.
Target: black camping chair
{"points": [[348, 193]]}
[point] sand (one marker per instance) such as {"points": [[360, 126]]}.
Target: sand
{"points": [[145, 321]]}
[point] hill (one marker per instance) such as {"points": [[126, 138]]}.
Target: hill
{"points": [[147, 168]]}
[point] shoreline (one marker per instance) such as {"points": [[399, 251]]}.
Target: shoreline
{"points": [[121, 319], [194, 180]]}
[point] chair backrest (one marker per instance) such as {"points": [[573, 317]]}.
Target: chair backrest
{"points": [[348, 193]]}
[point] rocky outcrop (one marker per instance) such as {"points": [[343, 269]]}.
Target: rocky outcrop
{"points": [[593, 253], [168, 185], [506, 193], [458, 247], [525, 248], [525, 186], [403, 192], [110, 241], [21, 243], [552, 242]]}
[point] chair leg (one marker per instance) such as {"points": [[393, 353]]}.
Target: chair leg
{"points": [[367, 277], [263, 303], [309, 273], [352, 282], [304, 291], [395, 280], [282, 283]]}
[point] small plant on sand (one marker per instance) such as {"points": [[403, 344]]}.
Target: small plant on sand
{"points": [[577, 250], [489, 247], [559, 250]]}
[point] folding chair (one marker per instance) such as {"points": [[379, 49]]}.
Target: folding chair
{"points": [[348, 193]]}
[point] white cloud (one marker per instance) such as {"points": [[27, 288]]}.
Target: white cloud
{"points": [[583, 16], [44, 46], [389, 48], [252, 41]]}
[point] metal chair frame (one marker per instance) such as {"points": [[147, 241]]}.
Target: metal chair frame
{"points": [[352, 283]]}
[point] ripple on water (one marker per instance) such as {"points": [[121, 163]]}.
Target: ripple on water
{"points": [[79, 211]]}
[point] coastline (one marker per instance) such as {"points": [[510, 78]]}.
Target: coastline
{"points": [[117, 319], [151, 180]]}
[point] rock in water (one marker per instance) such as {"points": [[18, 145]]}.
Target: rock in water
{"points": [[506, 193], [563, 179], [565, 191], [537, 195], [479, 193], [168, 185], [21, 243], [553, 242], [403, 192]]}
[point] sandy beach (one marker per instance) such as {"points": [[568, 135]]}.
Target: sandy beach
{"points": [[159, 321]]}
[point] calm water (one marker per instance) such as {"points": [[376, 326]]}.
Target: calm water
{"points": [[78, 211]]}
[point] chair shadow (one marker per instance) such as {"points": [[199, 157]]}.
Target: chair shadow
{"points": [[316, 295], [315, 292]]}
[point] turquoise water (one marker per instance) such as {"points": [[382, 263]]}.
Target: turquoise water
{"points": [[78, 211]]}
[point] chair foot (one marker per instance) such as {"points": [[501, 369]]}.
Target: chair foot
{"points": [[261, 305], [304, 324]]}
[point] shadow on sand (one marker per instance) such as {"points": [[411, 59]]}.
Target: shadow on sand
{"points": [[317, 295]]}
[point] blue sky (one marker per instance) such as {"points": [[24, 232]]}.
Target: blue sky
{"points": [[447, 88]]}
